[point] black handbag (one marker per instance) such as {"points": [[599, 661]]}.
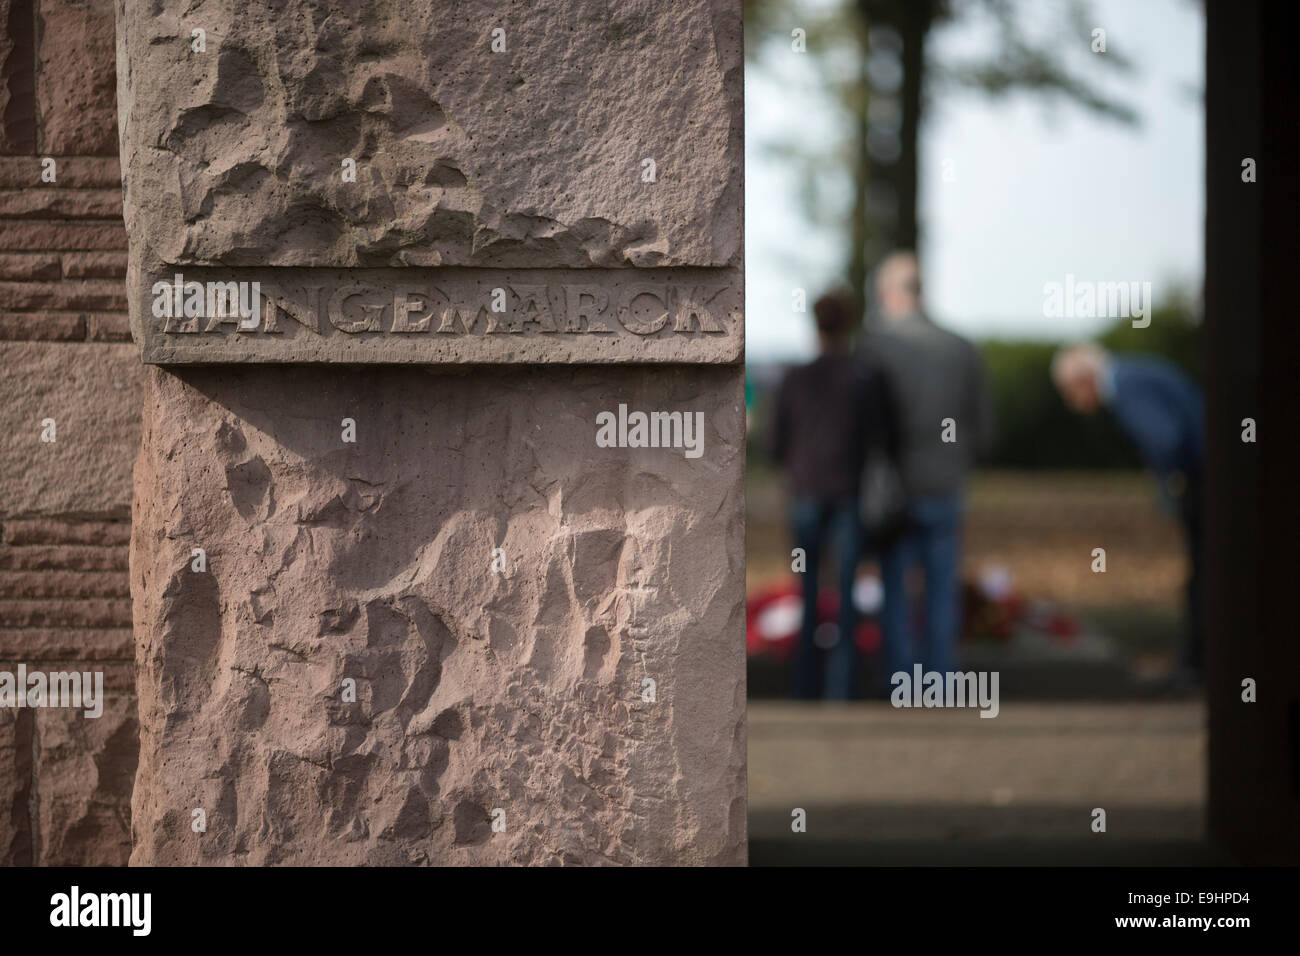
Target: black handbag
{"points": [[882, 500]]}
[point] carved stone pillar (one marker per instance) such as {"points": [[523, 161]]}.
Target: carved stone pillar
{"points": [[438, 542]]}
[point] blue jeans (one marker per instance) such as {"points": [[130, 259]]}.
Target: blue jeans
{"points": [[933, 539], [816, 523]]}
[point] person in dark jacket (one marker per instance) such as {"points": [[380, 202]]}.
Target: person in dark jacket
{"points": [[1162, 412], [828, 413], [945, 409]]}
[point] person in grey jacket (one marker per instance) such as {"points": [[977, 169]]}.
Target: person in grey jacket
{"points": [[945, 418]]}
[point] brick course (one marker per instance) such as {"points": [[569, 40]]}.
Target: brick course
{"points": [[65, 780]]}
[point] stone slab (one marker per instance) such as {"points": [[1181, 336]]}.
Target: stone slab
{"points": [[449, 613], [534, 156], [85, 770], [15, 787], [76, 85], [92, 393], [511, 679], [442, 315]]}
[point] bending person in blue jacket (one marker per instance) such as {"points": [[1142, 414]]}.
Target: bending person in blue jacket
{"points": [[1162, 412]]}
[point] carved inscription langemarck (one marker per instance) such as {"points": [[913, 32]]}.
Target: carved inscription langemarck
{"points": [[193, 314]]}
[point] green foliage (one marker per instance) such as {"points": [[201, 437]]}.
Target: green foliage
{"points": [[1036, 430], [1173, 334]]}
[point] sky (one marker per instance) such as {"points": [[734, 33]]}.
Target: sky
{"points": [[1036, 191]]}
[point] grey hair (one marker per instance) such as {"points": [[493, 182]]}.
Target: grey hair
{"points": [[1076, 361]]}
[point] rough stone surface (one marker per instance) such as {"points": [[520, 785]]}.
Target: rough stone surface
{"points": [[15, 787], [84, 770], [65, 779], [17, 73], [93, 394], [76, 80], [532, 157], [475, 690], [588, 697], [75, 172]]}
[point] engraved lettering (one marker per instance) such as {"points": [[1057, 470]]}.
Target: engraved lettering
{"points": [[585, 303], [408, 299], [692, 310], [371, 312], [644, 308], [305, 313]]}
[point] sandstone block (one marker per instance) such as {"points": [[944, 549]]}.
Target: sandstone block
{"points": [[66, 295], [80, 644], [29, 266], [76, 80], [67, 531], [17, 62], [53, 202], [42, 327], [15, 787], [84, 770], [534, 157], [459, 609], [108, 327], [93, 400], [521, 690], [447, 315], [84, 265], [73, 172], [69, 557], [26, 235]]}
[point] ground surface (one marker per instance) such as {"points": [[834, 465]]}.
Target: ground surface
{"points": [[946, 787], [1040, 526]]}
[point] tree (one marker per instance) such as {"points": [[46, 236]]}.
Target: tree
{"points": [[872, 56]]}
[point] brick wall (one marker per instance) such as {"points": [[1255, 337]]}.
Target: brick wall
{"points": [[65, 779]]}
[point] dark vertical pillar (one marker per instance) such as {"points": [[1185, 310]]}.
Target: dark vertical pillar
{"points": [[1251, 366]]}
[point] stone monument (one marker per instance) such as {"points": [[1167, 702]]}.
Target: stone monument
{"points": [[438, 524]]}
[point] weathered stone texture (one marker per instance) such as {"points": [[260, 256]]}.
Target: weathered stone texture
{"points": [[93, 395], [65, 780], [528, 158], [17, 76], [15, 787], [83, 767], [330, 562], [475, 690], [76, 82]]}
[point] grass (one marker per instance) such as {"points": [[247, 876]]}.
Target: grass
{"points": [[1041, 527]]}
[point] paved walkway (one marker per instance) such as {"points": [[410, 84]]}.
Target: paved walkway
{"points": [[890, 786]]}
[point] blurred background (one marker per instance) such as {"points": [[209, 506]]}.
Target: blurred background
{"points": [[993, 138]]}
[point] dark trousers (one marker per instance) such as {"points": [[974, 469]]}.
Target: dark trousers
{"points": [[819, 522], [932, 540]]}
